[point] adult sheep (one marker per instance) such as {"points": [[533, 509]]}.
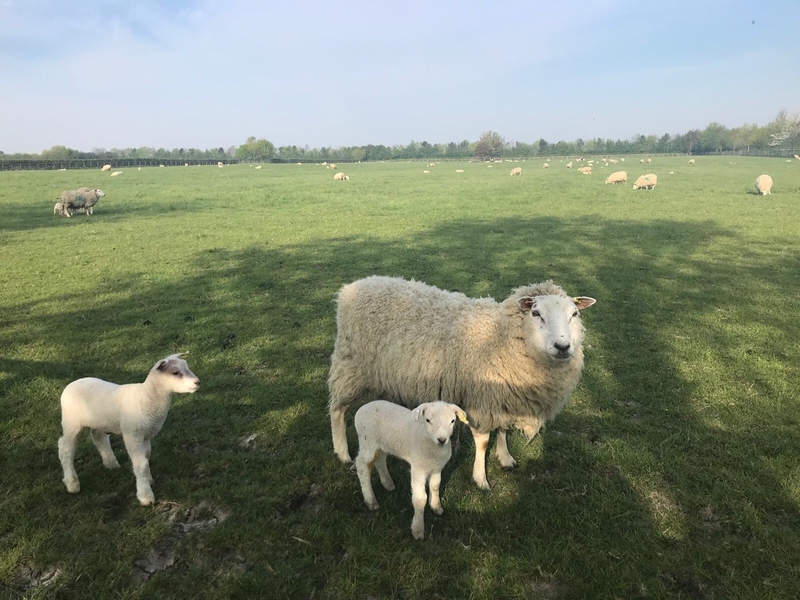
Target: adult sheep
{"points": [[618, 177], [340, 176], [82, 198], [764, 185], [647, 182], [508, 364], [516, 171]]}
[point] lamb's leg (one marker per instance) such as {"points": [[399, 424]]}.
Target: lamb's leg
{"points": [[479, 468], [418, 498], [66, 454], [137, 450], [364, 461], [433, 484], [101, 441], [503, 455], [383, 472], [345, 386]]}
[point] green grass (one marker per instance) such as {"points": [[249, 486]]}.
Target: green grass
{"points": [[673, 472]]}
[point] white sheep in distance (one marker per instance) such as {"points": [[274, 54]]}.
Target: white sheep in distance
{"points": [[649, 160], [618, 177], [258, 167], [516, 171], [426, 171], [115, 173], [508, 364], [332, 166], [83, 199], [106, 168], [691, 161], [420, 437], [135, 410], [645, 182], [764, 185], [545, 166], [459, 170], [340, 176], [585, 170], [797, 156], [569, 165]]}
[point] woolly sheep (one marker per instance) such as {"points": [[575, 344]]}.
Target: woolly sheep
{"points": [[641, 160], [106, 168], [649, 160], [82, 198], [332, 166], [421, 437], [691, 161], [585, 170], [490, 166], [135, 410], [115, 173], [161, 166], [516, 171], [258, 167], [340, 176], [545, 166], [569, 165], [621, 160], [764, 185], [645, 182], [220, 164], [426, 171], [613, 161], [618, 177], [797, 156], [509, 364], [459, 170]]}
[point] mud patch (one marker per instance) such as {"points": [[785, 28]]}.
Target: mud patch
{"points": [[183, 522], [302, 499], [29, 576]]}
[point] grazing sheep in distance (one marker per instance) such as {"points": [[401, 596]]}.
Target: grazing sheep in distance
{"points": [[136, 410], [115, 173], [618, 177], [764, 185], [459, 170], [220, 165], [645, 182], [545, 166], [420, 437], [649, 160], [797, 156], [641, 160], [332, 166], [340, 176], [162, 166], [585, 170], [613, 161], [490, 166], [258, 167], [509, 364], [691, 161], [106, 168], [569, 165], [516, 171], [426, 171], [621, 160]]}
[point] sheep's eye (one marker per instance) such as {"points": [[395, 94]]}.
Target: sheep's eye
{"points": [[178, 373], [453, 421], [575, 314], [535, 313]]}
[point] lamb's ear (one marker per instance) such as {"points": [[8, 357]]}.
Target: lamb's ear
{"points": [[419, 412], [583, 302], [460, 414], [526, 303], [162, 365]]}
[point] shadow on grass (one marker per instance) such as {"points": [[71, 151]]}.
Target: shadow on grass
{"points": [[637, 490]]}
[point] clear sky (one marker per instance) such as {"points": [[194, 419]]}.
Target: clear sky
{"points": [[197, 73]]}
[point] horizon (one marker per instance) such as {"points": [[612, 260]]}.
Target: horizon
{"points": [[209, 76]]}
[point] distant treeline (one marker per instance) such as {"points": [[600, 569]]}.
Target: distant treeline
{"points": [[781, 137]]}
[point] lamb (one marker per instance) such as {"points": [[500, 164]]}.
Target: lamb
{"points": [[649, 160], [764, 185], [618, 177], [585, 170], [641, 160], [135, 410], [545, 166], [509, 364], [340, 176], [691, 161], [516, 171], [645, 182], [420, 437], [82, 198], [115, 173], [569, 165]]}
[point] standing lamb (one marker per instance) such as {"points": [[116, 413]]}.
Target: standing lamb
{"points": [[618, 177], [135, 410], [420, 437], [516, 171], [645, 182], [764, 185], [509, 364]]}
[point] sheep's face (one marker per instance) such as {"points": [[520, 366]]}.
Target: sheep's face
{"points": [[177, 375], [100, 193], [553, 324], [440, 420]]}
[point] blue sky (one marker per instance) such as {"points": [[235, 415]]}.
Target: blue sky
{"points": [[195, 73]]}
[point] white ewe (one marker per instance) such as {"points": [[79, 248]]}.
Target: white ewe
{"points": [[509, 364], [135, 410], [420, 437]]}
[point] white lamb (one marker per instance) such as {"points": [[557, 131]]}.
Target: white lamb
{"points": [[135, 410], [507, 364], [421, 437]]}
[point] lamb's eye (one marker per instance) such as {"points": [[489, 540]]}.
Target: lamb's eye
{"points": [[178, 373], [428, 420], [575, 314], [453, 421], [535, 313]]}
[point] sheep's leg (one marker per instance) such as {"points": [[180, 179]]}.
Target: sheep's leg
{"points": [[102, 442], [345, 386], [137, 450], [383, 472], [479, 468], [433, 483], [66, 454], [503, 455], [418, 498], [147, 452], [364, 469]]}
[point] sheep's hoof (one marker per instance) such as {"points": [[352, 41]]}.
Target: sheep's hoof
{"points": [[73, 486], [437, 509], [147, 500], [418, 533], [373, 505], [111, 464], [507, 462], [344, 457], [390, 488], [483, 484]]}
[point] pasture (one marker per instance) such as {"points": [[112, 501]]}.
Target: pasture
{"points": [[673, 472]]}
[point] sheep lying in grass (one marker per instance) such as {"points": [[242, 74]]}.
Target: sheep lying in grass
{"points": [[459, 170], [516, 171], [115, 173], [764, 185], [585, 170], [83, 199], [797, 156], [340, 176], [135, 410], [106, 168], [420, 437], [618, 177], [569, 165], [646, 182], [509, 364]]}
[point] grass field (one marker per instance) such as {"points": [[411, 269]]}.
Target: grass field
{"points": [[673, 472]]}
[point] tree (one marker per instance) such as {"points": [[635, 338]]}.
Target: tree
{"points": [[489, 145], [787, 134], [58, 153], [255, 149], [358, 154]]}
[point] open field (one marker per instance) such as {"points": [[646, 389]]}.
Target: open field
{"points": [[673, 472]]}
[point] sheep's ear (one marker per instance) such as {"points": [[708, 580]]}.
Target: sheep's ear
{"points": [[183, 354], [583, 302], [462, 416], [162, 365], [526, 303], [419, 412]]}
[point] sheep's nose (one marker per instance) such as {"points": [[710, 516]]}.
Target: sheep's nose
{"points": [[562, 347], [442, 441]]}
